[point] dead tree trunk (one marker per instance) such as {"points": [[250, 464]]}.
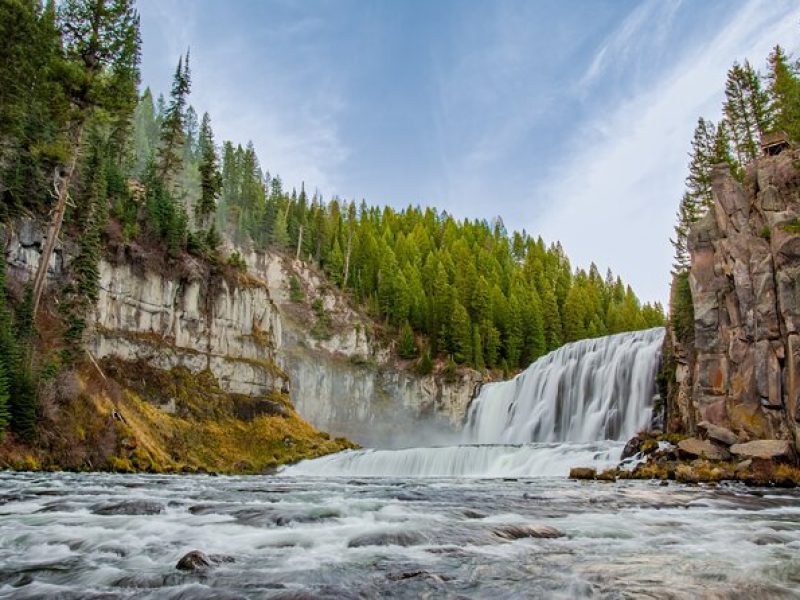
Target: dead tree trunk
{"points": [[347, 258], [299, 243], [61, 182]]}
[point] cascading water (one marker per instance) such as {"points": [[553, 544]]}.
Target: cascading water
{"points": [[577, 405], [597, 389]]}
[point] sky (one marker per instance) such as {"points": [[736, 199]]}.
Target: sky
{"points": [[570, 120]]}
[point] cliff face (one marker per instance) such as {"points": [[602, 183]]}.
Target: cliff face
{"points": [[346, 379], [742, 371], [244, 331]]}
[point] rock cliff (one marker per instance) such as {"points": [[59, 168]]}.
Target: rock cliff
{"points": [[345, 376], [741, 370], [254, 339]]}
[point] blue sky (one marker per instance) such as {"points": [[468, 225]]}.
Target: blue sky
{"points": [[568, 119]]}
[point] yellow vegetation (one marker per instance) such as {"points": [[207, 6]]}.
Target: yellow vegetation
{"points": [[109, 425]]}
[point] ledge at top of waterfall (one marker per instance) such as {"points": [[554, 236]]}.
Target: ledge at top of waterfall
{"points": [[597, 389], [575, 406]]}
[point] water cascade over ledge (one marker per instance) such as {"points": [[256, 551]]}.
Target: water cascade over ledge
{"points": [[576, 405], [591, 390]]}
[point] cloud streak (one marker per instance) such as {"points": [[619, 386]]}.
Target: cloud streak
{"points": [[613, 199]]}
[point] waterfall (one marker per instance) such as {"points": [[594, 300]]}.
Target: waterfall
{"points": [[597, 389], [574, 406]]}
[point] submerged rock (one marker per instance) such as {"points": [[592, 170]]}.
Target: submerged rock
{"points": [[393, 538], [129, 507], [515, 532]]}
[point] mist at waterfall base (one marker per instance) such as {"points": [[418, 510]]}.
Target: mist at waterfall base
{"points": [[575, 406]]}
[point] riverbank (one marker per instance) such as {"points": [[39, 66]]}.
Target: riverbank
{"points": [[718, 456]]}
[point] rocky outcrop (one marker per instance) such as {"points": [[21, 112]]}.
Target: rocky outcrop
{"points": [[742, 370], [185, 316]]}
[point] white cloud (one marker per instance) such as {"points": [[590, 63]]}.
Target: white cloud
{"points": [[613, 199]]}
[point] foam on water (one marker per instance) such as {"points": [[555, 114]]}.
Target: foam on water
{"points": [[339, 538], [529, 460]]}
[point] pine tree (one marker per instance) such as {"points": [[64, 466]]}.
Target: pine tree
{"points": [[747, 110], [8, 352], [173, 134], [477, 349], [701, 160], [407, 347], [101, 71], [460, 334], [210, 178], [784, 92]]}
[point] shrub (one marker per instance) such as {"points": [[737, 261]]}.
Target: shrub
{"points": [[296, 293]]}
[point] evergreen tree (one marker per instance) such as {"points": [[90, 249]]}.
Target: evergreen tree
{"points": [[747, 110], [784, 92], [173, 133], [210, 178], [407, 347]]}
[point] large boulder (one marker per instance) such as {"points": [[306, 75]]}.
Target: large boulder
{"points": [[694, 447], [763, 449], [718, 434]]}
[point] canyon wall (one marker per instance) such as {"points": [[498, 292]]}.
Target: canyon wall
{"points": [[741, 371], [246, 329]]}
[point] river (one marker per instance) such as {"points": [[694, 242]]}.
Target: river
{"points": [[120, 536]]}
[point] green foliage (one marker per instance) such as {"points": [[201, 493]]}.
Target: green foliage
{"points": [[236, 261], [784, 92], [322, 326], [296, 292], [407, 347], [682, 317], [425, 364]]}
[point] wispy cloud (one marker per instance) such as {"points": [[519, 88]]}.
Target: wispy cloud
{"points": [[613, 198]]}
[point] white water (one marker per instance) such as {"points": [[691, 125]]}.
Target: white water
{"points": [[575, 406], [598, 389], [530, 460]]}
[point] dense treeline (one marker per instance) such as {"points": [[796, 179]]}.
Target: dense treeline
{"points": [[80, 145]]}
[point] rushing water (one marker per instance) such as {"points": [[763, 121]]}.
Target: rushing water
{"points": [[120, 536], [575, 406], [586, 391]]}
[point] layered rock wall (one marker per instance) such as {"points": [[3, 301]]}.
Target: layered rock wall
{"points": [[742, 371], [255, 339]]}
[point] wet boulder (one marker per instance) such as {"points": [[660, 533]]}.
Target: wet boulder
{"points": [[633, 447], [197, 560], [582, 473]]}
